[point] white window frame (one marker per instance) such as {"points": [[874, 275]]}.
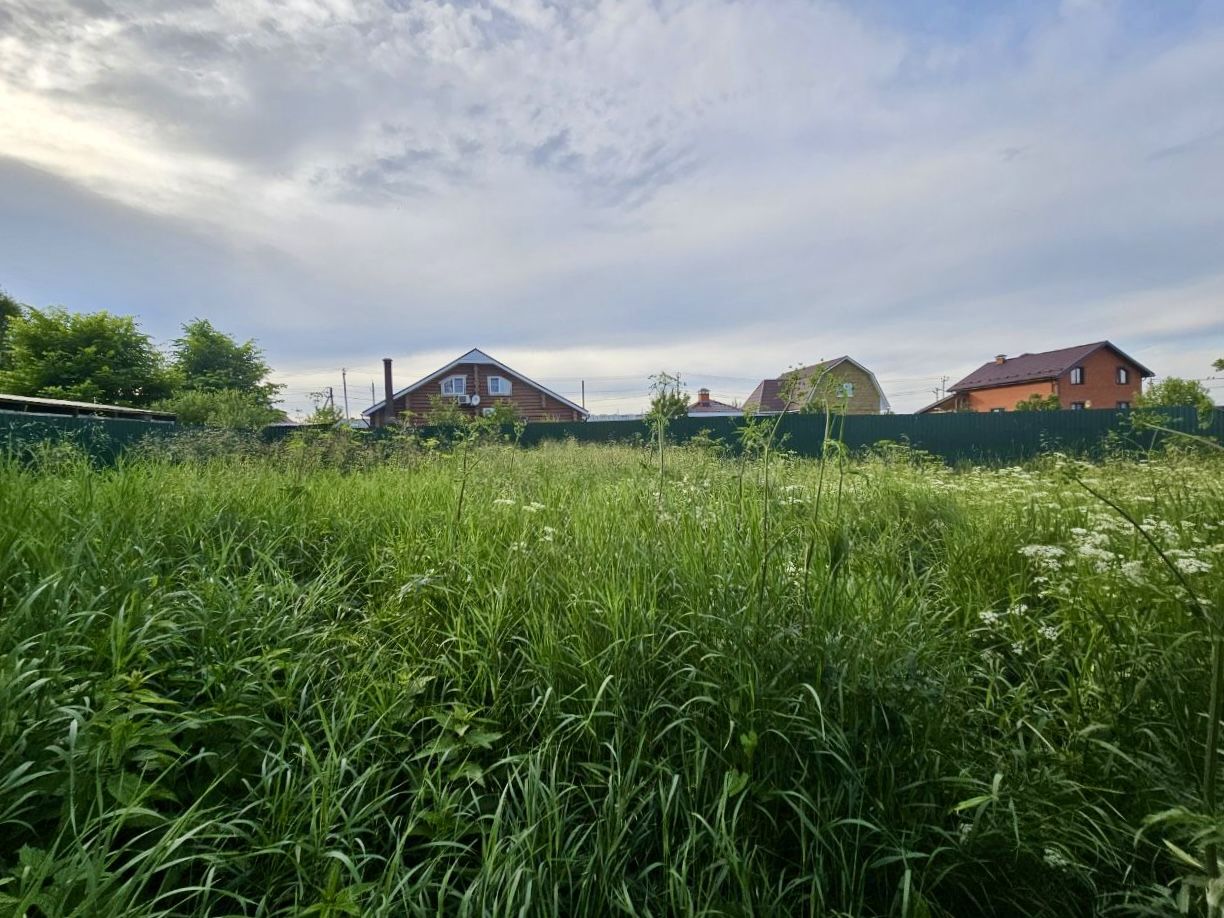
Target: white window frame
{"points": [[1123, 376], [846, 390], [1078, 406], [1077, 376], [504, 387], [450, 390]]}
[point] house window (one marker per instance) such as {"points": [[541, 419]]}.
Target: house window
{"points": [[846, 390], [1123, 376], [1077, 377], [499, 385], [1077, 406], [1125, 406], [997, 410], [454, 385]]}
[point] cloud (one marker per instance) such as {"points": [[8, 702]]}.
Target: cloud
{"points": [[743, 183]]}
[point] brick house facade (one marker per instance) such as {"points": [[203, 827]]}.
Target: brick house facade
{"points": [[478, 375], [1097, 375]]}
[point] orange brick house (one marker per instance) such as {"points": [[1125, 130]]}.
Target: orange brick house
{"points": [[476, 382], [1096, 375]]}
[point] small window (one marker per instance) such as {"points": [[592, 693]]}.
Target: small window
{"points": [[997, 410], [1123, 376], [1124, 406], [454, 385], [1077, 377], [499, 385], [846, 390], [1077, 406]]}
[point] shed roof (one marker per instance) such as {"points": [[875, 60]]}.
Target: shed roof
{"points": [[41, 405]]}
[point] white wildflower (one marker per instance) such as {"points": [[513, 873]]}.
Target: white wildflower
{"points": [[533, 507], [503, 502], [1049, 632], [1133, 571], [547, 533], [989, 617], [1191, 565], [1042, 551]]}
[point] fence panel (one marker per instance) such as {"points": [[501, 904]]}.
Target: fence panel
{"points": [[1004, 437], [103, 439], [973, 437]]}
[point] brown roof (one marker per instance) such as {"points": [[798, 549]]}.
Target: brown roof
{"points": [[1031, 367], [711, 405]]}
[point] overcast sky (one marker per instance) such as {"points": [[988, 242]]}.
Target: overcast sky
{"points": [[603, 189]]}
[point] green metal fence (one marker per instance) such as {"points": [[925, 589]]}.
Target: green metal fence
{"points": [[104, 439], [973, 437], [1006, 437]]}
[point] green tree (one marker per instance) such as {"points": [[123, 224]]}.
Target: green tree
{"points": [[209, 360], [9, 309], [668, 399], [1173, 392], [222, 408], [94, 357], [1037, 402], [325, 411]]}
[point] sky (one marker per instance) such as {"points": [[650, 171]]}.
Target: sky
{"points": [[601, 189]]}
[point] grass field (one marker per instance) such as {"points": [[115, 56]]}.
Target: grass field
{"points": [[556, 683]]}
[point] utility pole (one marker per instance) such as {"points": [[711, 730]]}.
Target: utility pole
{"points": [[584, 395], [344, 383], [331, 398], [373, 399]]}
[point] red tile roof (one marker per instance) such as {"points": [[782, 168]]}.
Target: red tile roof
{"points": [[711, 405], [1031, 367]]}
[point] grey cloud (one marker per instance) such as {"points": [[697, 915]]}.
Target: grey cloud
{"points": [[613, 174]]}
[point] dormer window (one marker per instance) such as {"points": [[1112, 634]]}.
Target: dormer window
{"points": [[1123, 376], [1077, 376], [454, 385], [499, 385]]}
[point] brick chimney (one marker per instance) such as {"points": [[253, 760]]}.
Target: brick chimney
{"points": [[1000, 358], [389, 404], [703, 396]]}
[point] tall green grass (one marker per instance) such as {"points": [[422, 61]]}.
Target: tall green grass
{"points": [[255, 685]]}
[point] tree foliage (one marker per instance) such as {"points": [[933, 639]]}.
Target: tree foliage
{"points": [[9, 309], [221, 408], [209, 360], [1173, 392], [94, 357], [1037, 402], [668, 399]]}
